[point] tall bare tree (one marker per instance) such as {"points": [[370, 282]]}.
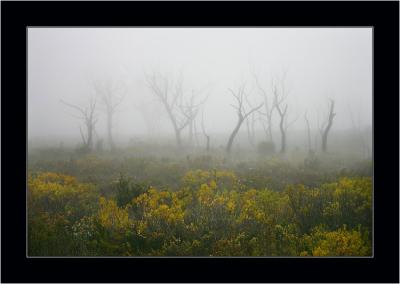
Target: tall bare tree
{"points": [[280, 96], [241, 113], [204, 132], [326, 125], [87, 114], [171, 96], [111, 96], [269, 106], [250, 127], [282, 128], [192, 109]]}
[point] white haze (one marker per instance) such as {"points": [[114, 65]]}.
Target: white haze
{"points": [[321, 63]]}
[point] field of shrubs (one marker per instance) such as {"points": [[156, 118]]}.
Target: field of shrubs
{"points": [[198, 205]]}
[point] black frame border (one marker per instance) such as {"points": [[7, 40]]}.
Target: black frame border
{"points": [[383, 16]]}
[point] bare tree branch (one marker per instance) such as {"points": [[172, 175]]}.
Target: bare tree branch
{"points": [[241, 112], [280, 96], [180, 112], [328, 126], [204, 131], [90, 120]]}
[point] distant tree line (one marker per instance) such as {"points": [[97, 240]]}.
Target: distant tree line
{"points": [[182, 108]]}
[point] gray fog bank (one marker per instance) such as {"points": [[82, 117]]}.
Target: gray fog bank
{"points": [[318, 66]]}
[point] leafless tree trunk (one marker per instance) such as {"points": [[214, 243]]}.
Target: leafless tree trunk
{"points": [[327, 126], [250, 126], [268, 108], [242, 115], [205, 133], [87, 114], [160, 85], [108, 95], [282, 115], [280, 96], [192, 110], [180, 114]]}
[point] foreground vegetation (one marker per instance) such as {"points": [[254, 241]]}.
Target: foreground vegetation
{"points": [[95, 205]]}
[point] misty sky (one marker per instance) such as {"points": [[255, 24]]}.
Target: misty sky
{"points": [[320, 64]]}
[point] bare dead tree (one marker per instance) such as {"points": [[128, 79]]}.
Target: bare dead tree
{"points": [[87, 114], [171, 98], [204, 132], [241, 112], [308, 132], [282, 115], [280, 96], [192, 110], [250, 127], [317, 135], [269, 107], [111, 96], [326, 125]]}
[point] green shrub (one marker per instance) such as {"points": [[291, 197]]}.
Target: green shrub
{"points": [[126, 190]]}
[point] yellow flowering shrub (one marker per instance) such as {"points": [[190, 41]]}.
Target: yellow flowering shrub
{"points": [[234, 246], [342, 242], [158, 213], [112, 217], [205, 195], [55, 203], [211, 213], [347, 201], [213, 178], [57, 193]]}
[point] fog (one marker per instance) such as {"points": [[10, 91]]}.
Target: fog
{"points": [[318, 64]]}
